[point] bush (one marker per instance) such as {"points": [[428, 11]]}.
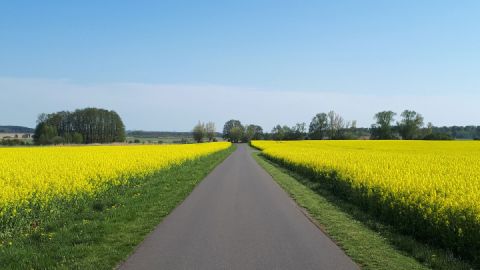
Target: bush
{"points": [[57, 140], [12, 142], [182, 141], [438, 137]]}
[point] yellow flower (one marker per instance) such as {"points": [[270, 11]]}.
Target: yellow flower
{"points": [[437, 182], [37, 175]]}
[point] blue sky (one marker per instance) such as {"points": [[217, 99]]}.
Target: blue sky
{"points": [[345, 56]]}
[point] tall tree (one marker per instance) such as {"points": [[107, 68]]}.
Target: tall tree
{"points": [[336, 126], [253, 132], [44, 134], [227, 128], [298, 132], [410, 125], [428, 130], [279, 133], [236, 134], [349, 131], [199, 132], [382, 129], [318, 127], [210, 131]]}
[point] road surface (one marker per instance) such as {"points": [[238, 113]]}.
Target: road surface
{"points": [[237, 218]]}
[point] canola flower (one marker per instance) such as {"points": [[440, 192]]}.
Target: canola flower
{"points": [[429, 189], [39, 175]]}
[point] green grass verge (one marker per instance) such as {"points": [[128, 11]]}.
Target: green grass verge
{"points": [[104, 234], [368, 242]]}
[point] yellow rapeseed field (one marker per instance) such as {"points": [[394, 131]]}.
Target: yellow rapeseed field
{"points": [[430, 189], [42, 174]]}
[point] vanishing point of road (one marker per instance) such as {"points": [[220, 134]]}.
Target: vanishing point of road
{"points": [[238, 218]]}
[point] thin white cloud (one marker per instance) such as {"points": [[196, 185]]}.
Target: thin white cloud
{"points": [[179, 107]]}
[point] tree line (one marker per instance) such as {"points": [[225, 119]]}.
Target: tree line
{"points": [[90, 125], [204, 131], [323, 125], [410, 127], [333, 126], [233, 131], [459, 132]]}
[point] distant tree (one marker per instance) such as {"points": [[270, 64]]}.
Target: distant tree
{"points": [[77, 138], [235, 134], [297, 132], [279, 133], [248, 133], [44, 134], [210, 131], [349, 131], [11, 142], [67, 138], [253, 132], [428, 130], [267, 136], [336, 126], [438, 137], [382, 129], [227, 130], [410, 125], [318, 127], [456, 132], [333, 127], [199, 132], [57, 140], [42, 118], [94, 125]]}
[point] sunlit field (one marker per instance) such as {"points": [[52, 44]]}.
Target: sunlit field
{"points": [[428, 189], [33, 180]]}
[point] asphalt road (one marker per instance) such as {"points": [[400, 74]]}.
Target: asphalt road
{"points": [[238, 218]]}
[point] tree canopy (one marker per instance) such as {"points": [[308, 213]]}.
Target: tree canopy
{"points": [[199, 132], [383, 129], [90, 125], [410, 124], [233, 131], [318, 127], [253, 132]]}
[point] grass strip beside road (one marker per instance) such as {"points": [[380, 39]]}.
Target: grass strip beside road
{"points": [[101, 236], [368, 242]]}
